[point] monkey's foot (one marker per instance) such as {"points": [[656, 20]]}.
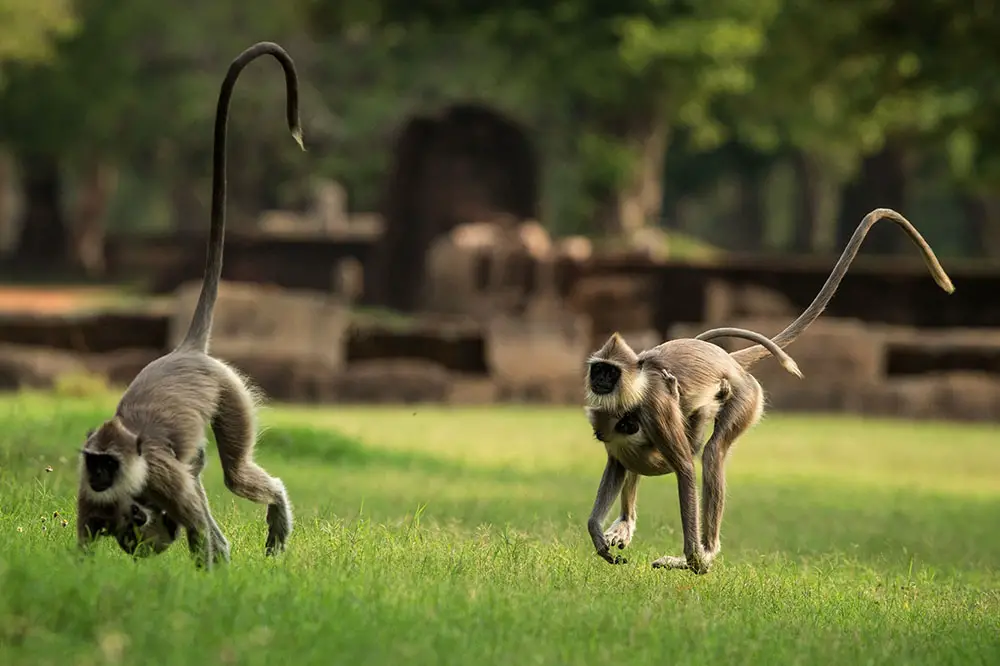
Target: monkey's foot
{"points": [[220, 551], [273, 546], [279, 526], [620, 533], [670, 562], [699, 562]]}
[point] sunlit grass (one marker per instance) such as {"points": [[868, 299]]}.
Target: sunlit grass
{"points": [[444, 536]]}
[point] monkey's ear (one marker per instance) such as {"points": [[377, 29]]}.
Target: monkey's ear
{"points": [[138, 445]]}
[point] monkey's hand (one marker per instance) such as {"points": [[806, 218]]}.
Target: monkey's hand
{"points": [[620, 533], [602, 547], [605, 552]]}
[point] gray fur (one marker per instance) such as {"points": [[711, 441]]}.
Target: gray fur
{"points": [[154, 445], [712, 386]]}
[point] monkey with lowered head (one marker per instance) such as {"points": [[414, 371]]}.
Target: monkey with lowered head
{"points": [[619, 381], [632, 454], [145, 529], [146, 455]]}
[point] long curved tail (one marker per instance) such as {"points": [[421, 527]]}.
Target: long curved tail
{"points": [[786, 361], [201, 323], [750, 355]]}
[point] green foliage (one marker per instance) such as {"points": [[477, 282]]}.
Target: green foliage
{"points": [[136, 83], [29, 27], [416, 543]]}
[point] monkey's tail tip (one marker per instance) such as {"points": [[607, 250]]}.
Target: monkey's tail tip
{"points": [[945, 283], [297, 135], [792, 367]]}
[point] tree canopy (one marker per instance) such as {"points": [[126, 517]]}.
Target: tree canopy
{"points": [[643, 110]]}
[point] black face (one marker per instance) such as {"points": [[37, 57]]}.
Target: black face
{"points": [[128, 536], [628, 424], [102, 469], [604, 377]]}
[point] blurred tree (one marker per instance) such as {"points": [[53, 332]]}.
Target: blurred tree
{"points": [[137, 83], [28, 29], [620, 75], [839, 89]]}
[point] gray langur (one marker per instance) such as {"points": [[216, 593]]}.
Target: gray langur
{"points": [[148, 453], [623, 384]]}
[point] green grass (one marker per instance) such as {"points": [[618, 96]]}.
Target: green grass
{"points": [[437, 536]]}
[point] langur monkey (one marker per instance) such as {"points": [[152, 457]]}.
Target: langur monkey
{"points": [[150, 453], [631, 453], [620, 382]]}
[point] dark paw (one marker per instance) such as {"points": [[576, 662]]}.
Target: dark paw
{"points": [[273, 545], [611, 559]]}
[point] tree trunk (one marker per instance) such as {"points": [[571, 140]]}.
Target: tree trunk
{"points": [[881, 183], [639, 201], [8, 228], [747, 225], [44, 238], [983, 212], [97, 187], [749, 219], [808, 203]]}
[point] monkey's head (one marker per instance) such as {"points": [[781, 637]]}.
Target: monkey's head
{"points": [[112, 467], [615, 381], [145, 530]]}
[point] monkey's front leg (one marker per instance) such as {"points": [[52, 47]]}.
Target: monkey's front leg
{"points": [[609, 488], [172, 488], [621, 531]]}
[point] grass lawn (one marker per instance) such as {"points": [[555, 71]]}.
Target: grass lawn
{"points": [[434, 536]]}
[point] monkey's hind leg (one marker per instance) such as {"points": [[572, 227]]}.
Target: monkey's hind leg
{"points": [[235, 431], [623, 529], [738, 415]]}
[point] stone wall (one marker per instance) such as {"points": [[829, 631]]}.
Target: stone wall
{"points": [[309, 346]]}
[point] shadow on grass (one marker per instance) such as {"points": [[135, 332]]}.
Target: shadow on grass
{"points": [[300, 444]]}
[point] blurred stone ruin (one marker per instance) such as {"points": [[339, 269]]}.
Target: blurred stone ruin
{"points": [[326, 214], [487, 307], [508, 315]]}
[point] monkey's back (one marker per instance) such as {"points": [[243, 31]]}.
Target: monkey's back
{"points": [[698, 366], [173, 399]]}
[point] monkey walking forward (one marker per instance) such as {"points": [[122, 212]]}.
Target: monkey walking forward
{"points": [[632, 453], [628, 399], [145, 462]]}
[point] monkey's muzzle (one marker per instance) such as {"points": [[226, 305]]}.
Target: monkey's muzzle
{"points": [[162, 532], [603, 377]]}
